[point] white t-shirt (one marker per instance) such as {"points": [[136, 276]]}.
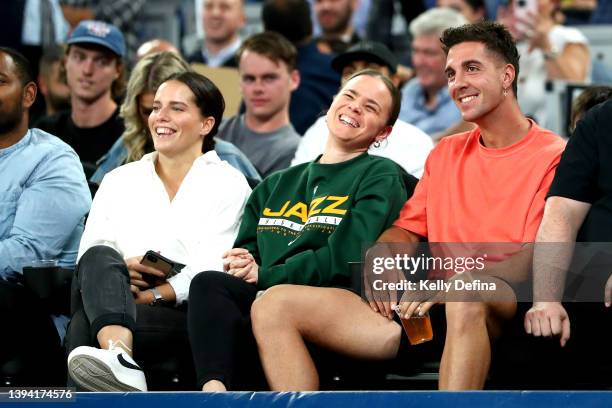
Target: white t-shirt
{"points": [[532, 73], [407, 145], [132, 213]]}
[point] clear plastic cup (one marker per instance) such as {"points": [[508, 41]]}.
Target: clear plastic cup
{"points": [[44, 263], [417, 328]]}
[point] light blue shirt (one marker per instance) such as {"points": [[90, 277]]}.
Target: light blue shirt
{"points": [[430, 121], [223, 55], [32, 22], [44, 198]]}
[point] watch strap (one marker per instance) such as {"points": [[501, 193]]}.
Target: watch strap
{"points": [[159, 299]]}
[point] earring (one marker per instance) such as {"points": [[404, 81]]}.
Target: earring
{"points": [[376, 144], [505, 92]]}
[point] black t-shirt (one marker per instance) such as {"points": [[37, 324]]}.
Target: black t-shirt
{"points": [[585, 173], [89, 143]]}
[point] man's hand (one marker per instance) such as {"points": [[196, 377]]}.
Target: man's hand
{"points": [[136, 270], [144, 297], [381, 300], [548, 319]]}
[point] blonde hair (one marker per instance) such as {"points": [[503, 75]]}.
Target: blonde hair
{"points": [[148, 74]]}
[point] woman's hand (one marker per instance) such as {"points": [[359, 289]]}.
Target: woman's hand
{"points": [[505, 16], [236, 258], [136, 270], [250, 273], [416, 308], [144, 297], [539, 29], [417, 303], [240, 263]]}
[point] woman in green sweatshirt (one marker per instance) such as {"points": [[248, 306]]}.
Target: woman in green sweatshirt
{"points": [[301, 226]]}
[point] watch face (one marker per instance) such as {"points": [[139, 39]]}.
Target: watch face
{"points": [[158, 297]]}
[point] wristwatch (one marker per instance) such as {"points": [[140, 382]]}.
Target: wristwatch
{"points": [[159, 299]]}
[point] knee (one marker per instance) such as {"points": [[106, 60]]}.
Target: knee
{"points": [[273, 309], [96, 252], [464, 316], [103, 255], [205, 282]]}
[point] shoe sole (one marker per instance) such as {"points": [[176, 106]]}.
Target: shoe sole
{"points": [[94, 375]]}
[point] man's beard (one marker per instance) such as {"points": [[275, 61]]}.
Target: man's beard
{"points": [[10, 120], [341, 25]]}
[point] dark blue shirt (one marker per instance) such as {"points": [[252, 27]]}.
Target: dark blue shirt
{"points": [[318, 85]]}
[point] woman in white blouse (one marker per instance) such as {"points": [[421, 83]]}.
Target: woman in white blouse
{"points": [[181, 201]]}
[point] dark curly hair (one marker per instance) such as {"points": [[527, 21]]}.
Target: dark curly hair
{"points": [[494, 36]]}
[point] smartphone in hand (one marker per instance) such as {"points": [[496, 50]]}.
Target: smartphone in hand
{"points": [[161, 263]]}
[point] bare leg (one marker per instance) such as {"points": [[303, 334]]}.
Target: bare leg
{"points": [[118, 334], [467, 351], [288, 315]]}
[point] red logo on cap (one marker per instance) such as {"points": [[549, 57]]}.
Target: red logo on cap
{"points": [[98, 29]]}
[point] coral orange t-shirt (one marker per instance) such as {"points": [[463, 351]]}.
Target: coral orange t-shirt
{"points": [[470, 193]]}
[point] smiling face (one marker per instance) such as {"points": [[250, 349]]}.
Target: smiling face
{"points": [[359, 113], [176, 123], [222, 20], [477, 79], [428, 61]]}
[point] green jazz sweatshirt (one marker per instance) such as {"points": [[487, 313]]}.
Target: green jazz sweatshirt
{"points": [[304, 224]]}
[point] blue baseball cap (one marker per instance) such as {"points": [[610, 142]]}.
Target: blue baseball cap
{"points": [[98, 32]]}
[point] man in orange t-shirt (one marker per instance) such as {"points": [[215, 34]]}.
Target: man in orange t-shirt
{"points": [[484, 186], [487, 185]]}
